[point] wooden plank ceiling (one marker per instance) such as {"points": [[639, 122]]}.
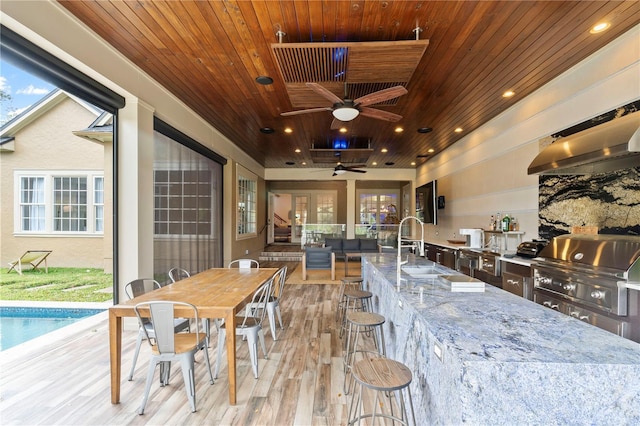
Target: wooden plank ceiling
{"points": [[209, 55]]}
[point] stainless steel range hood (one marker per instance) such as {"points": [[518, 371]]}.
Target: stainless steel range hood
{"points": [[610, 146]]}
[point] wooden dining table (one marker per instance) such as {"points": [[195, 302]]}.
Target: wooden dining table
{"points": [[216, 293]]}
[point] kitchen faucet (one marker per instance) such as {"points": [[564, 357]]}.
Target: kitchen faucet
{"points": [[421, 248]]}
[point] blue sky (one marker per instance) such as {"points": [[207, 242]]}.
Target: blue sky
{"points": [[25, 90]]}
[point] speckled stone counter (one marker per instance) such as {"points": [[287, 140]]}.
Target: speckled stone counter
{"points": [[504, 360]]}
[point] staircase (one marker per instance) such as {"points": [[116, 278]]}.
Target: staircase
{"points": [[281, 253]]}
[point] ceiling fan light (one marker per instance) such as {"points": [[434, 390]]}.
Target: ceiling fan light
{"points": [[345, 113], [339, 172]]}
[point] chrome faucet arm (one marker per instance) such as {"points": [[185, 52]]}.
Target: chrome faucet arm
{"points": [[421, 248]]}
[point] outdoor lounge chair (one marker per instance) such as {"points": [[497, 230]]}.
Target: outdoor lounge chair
{"points": [[31, 257]]}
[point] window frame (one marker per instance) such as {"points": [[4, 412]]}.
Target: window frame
{"points": [[248, 219], [49, 200]]}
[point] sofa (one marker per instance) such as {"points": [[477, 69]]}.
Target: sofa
{"points": [[341, 246]]}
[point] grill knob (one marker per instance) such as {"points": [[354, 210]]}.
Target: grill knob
{"points": [[577, 315], [597, 294], [569, 287], [544, 280]]}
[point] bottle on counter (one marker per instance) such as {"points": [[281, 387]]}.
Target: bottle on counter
{"points": [[514, 224], [492, 223], [498, 226], [506, 223]]}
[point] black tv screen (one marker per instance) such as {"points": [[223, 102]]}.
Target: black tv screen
{"points": [[427, 202]]}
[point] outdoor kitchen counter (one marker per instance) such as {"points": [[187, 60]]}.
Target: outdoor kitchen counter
{"points": [[496, 358]]}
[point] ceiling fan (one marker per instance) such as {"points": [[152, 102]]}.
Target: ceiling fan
{"points": [[340, 169], [348, 109]]}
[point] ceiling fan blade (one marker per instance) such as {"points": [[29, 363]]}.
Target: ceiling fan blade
{"points": [[356, 171], [305, 111], [337, 124], [325, 93], [380, 96], [358, 166], [379, 114]]}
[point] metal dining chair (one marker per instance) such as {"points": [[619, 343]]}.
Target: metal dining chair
{"points": [[168, 346], [249, 326], [273, 304], [137, 288], [244, 264], [177, 274]]}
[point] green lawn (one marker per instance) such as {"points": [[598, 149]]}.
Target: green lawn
{"points": [[59, 285]]}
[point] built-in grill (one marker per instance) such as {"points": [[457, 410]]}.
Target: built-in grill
{"points": [[593, 278]]}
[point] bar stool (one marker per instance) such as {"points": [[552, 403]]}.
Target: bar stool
{"points": [[354, 300], [359, 323], [354, 283], [381, 375]]}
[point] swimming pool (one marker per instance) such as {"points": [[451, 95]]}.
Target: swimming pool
{"points": [[20, 324]]}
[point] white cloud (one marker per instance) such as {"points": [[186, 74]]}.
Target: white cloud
{"points": [[32, 90], [15, 112], [3, 85]]}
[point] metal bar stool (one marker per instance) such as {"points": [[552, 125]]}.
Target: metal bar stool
{"points": [[362, 322], [354, 283], [381, 375], [354, 300]]}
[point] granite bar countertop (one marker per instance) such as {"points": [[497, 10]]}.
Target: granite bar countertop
{"points": [[495, 358]]}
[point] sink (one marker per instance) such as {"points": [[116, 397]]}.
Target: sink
{"points": [[422, 271]]}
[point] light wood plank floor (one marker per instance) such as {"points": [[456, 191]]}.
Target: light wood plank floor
{"points": [[67, 382]]}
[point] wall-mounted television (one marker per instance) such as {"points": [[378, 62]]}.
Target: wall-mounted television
{"points": [[427, 202]]}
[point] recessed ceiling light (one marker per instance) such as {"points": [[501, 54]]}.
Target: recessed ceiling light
{"points": [[267, 130], [599, 27], [430, 150], [424, 129], [304, 163], [343, 130], [297, 150], [288, 130], [399, 129], [264, 80], [375, 163], [413, 163], [458, 129], [289, 163], [383, 150], [508, 94]]}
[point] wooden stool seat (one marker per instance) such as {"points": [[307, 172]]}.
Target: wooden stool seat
{"points": [[354, 300], [370, 324], [347, 282], [381, 375]]}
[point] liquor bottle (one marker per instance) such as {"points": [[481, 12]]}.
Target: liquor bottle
{"points": [[498, 226], [514, 224], [506, 223], [492, 223]]}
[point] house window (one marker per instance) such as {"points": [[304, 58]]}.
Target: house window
{"points": [[378, 208], [59, 202], [247, 205], [32, 206], [70, 204], [324, 208], [98, 203], [183, 202]]}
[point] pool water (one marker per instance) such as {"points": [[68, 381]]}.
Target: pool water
{"points": [[21, 324]]}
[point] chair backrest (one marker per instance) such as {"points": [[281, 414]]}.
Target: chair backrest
{"points": [[244, 264], [140, 286], [318, 257], [161, 314], [257, 308], [278, 284], [177, 274]]}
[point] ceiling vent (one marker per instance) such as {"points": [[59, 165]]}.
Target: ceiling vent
{"points": [[348, 69]]}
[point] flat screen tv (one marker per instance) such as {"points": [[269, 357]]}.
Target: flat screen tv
{"points": [[427, 202]]}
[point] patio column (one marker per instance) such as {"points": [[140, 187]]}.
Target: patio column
{"points": [[135, 192]]}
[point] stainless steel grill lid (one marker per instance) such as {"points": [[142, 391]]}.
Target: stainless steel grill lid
{"points": [[618, 252]]}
